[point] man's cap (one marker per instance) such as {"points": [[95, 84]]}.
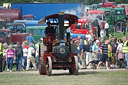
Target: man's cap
{"points": [[48, 21], [97, 41]]}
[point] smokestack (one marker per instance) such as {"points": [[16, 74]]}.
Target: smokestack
{"points": [[61, 25]]}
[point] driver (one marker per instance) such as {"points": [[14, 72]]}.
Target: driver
{"points": [[49, 29]]}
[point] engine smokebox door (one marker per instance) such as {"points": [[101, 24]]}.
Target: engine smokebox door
{"points": [[61, 51]]}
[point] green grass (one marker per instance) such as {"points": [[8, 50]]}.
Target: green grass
{"points": [[120, 35], [84, 78]]}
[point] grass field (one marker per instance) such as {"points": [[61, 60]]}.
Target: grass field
{"points": [[120, 35], [116, 77]]}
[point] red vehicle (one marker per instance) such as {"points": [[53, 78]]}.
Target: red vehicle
{"points": [[97, 14], [84, 26], [114, 5], [10, 15], [5, 36], [13, 36], [81, 27], [109, 4], [59, 54], [125, 8]]}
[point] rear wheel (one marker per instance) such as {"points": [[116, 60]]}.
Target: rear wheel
{"points": [[49, 66], [42, 68], [42, 65]]}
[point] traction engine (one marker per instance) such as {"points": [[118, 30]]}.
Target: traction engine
{"points": [[60, 52]]}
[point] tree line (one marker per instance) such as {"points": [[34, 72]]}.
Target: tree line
{"points": [[62, 1]]}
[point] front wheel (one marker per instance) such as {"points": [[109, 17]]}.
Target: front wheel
{"points": [[49, 66], [74, 69]]}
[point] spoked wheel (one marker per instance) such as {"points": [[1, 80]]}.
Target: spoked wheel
{"points": [[74, 69], [49, 66], [42, 65]]}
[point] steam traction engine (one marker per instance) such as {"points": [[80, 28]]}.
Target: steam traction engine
{"points": [[60, 53]]}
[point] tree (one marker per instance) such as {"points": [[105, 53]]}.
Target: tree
{"points": [[57, 1]]}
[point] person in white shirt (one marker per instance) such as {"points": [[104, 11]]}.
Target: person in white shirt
{"points": [[88, 36], [121, 55], [102, 34], [25, 51], [30, 57], [106, 28]]}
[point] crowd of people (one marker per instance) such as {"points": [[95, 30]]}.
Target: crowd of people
{"points": [[112, 52], [24, 55]]}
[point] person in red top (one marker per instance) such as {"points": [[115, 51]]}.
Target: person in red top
{"points": [[26, 44]]}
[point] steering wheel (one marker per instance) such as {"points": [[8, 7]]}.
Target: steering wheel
{"points": [[49, 35]]}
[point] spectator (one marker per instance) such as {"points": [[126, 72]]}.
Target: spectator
{"points": [[125, 50], [19, 55], [95, 50], [114, 47], [25, 51], [82, 53], [26, 44], [99, 54], [110, 35], [124, 26], [102, 34], [30, 57], [78, 51], [1, 55], [79, 37], [98, 26], [10, 56], [37, 51], [91, 39], [104, 53], [88, 36], [109, 52], [30, 38], [88, 53], [101, 41], [106, 28], [5, 46], [121, 54], [85, 41]]}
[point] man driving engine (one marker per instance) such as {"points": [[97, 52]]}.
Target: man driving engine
{"points": [[49, 29]]}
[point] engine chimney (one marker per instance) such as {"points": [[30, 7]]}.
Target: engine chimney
{"points": [[61, 25]]}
